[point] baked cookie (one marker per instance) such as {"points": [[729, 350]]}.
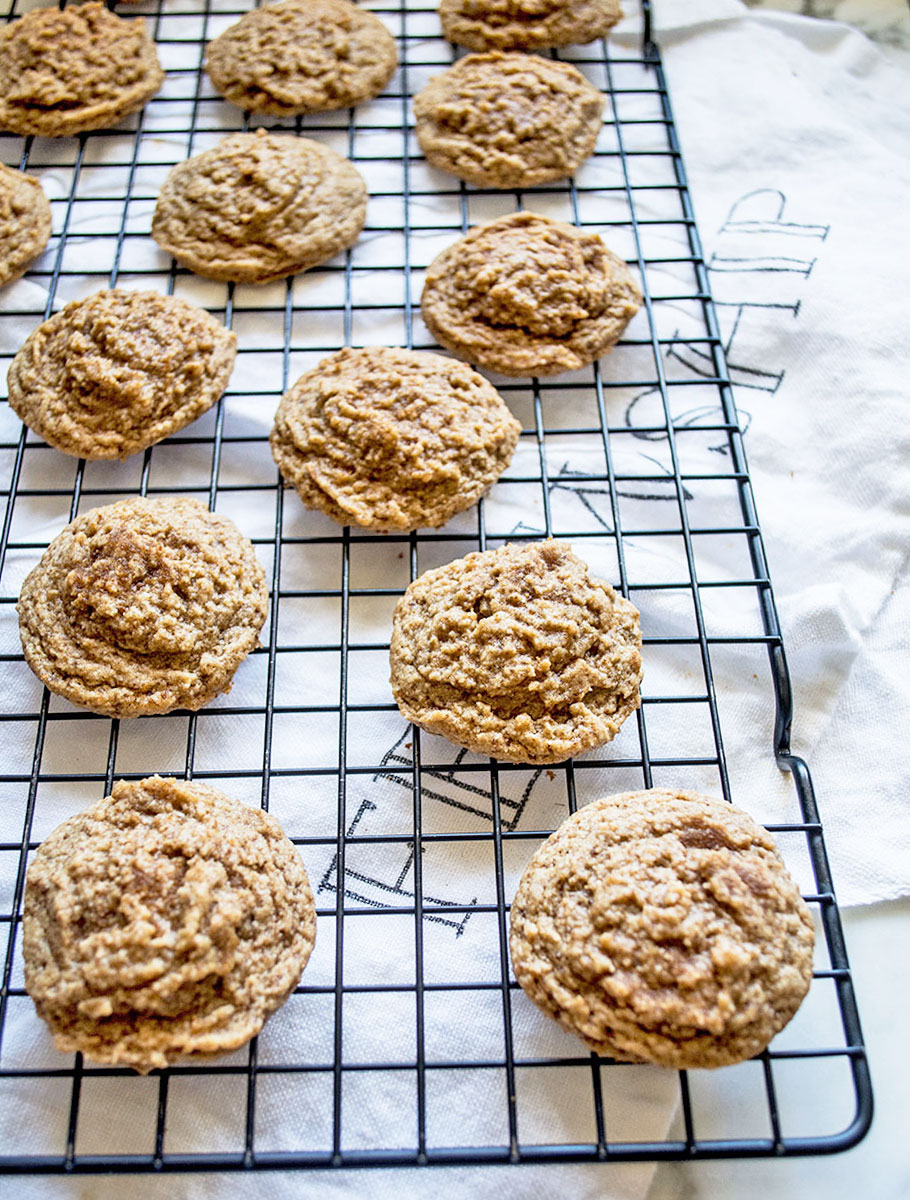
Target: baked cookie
{"points": [[526, 295], [65, 71], [259, 206], [25, 222], [163, 922], [508, 120], [392, 439], [300, 56], [663, 927], [143, 606], [526, 24], [517, 653], [109, 375]]}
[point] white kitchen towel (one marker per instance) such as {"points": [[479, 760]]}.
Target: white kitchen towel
{"points": [[795, 138]]}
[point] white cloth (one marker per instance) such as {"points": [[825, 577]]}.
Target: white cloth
{"points": [[794, 138]]}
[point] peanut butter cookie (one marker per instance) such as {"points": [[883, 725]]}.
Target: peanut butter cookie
{"points": [[66, 71], [163, 922], [663, 927], [526, 295], [508, 120], [143, 606], [526, 24], [259, 206], [517, 653], [109, 375], [25, 222], [301, 56], [392, 439]]}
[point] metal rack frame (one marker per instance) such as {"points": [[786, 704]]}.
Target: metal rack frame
{"points": [[501, 791]]}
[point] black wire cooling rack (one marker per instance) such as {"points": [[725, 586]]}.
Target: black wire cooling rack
{"points": [[408, 1016]]}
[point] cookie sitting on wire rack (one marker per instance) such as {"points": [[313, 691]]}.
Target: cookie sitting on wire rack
{"points": [[508, 120]]}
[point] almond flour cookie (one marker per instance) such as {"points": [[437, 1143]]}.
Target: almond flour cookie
{"points": [[109, 375], [508, 120], [163, 922], [526, 24], [25, 222], [663, 927], [301, 56], [143, 606], [392, 439], [65, 71], [526, 295], [517, 653], [259, 206]]}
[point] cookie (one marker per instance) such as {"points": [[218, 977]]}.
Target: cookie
{"points": [[663, 927], [166, 921], [517, 653], [109, 375], [259, 206], [508, 120], [300, 56], [526, 24], [66, 71], [25, 222], [143, 606], [526, 295], [392, 439]]}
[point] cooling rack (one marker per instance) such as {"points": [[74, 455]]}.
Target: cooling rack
{"points": [[408, 1016]]}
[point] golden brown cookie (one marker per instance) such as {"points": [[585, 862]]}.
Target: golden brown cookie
{"points": [[25, 222], [663, 927], [165, 921], [508, 120], [109, 375], [65, 71], [259, 206], [526, 295], [517, 653], [301, 56], [526, 24], [392, 439], [143, 606]]}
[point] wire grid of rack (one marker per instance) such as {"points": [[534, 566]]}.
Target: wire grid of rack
{"points": [[663, 475]]}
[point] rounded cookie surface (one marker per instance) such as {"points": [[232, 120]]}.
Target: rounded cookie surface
{"points": [[300, 56], [25, 222], [165, 921], [259, 206], [526, 24], [663, 927], [517, 653], [508, 120], [143, 606], [67, 71], [527, 295], [392, 439], [112, 374]]}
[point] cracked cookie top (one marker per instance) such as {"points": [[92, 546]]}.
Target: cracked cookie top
{"points": [[109, 375], [517, 653], [663, 926], [66, 71], [25, 222], [508, 120], [143, 606], [300, 56], [165, 921], [527, 295], [526, 24], [259, 206], [392, 439]]}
